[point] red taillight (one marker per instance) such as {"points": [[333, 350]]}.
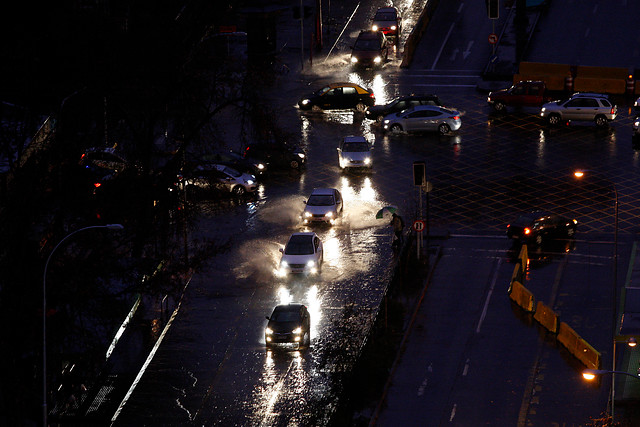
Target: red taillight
{"points": [[455, 117], [527, 231], [97, 184], [372, 96], [613, 111]]}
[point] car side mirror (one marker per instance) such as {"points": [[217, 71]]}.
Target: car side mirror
{"points": [[267, 317], [281, 250], [304, 202]]}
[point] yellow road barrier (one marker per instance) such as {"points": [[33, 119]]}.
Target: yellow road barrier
{"points": [[521, 296], [546, 317], [578, 347]]}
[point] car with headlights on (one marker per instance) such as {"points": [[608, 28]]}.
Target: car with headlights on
{"points": [[288, 324], [238, 162], [538, 226], [582, 106], [371, 49], [338, 96], [276, 155], [303, 254], [325, 205], [423, 118], [387, 20], [354, 152], [378, 112]]}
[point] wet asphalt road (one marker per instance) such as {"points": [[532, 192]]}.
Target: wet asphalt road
{"points": [[212, 368]]}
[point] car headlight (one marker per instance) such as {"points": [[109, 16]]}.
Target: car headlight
{"points": [[354, 59], [249, 182], [297, 330], [311, 263], [284, 264], [260, 166], [377, 59], [268, 331], [329, 214], [305, 101], [393, 27], [636, 123], [374, 27], [488, 99], [386, 122], [307, 214], [301, 155], [367, 161], [543, 110]]}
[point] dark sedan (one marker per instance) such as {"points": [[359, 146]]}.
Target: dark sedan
{"points": [[537, 227], [288, 324], [341, 95], [276, 155]]}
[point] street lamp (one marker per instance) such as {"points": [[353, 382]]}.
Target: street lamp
{"points": [[44, 313], [590, 374], [579, 174]]}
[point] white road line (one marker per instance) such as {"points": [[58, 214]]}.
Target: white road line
{"points": [[433, 67], [466, 368], [486, 303], [453, 412]]}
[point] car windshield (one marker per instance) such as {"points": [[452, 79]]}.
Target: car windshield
{"points": [[299, 245], [232, 172], [320, 200], [285, 316], [367, 44], [353, 147], [385, 16]]}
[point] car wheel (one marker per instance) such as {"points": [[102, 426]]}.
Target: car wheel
{"points": [[396, 128], [444, 129], [239, 190], [316, 108], [294, 164], [361, 107], [539, 239], [554, 120], [601, 121], [499, 106]]}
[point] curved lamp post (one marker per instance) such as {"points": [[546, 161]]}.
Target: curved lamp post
{"points": [[579, 174], [590, 374], [44, 312]]}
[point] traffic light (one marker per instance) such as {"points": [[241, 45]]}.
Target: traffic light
{"points": [[493, 9], [419, 173]]}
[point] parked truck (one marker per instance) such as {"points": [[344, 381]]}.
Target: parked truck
{"points": [[522, 94]]}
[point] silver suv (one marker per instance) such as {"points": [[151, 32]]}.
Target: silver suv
{"points": [[582, 106]]}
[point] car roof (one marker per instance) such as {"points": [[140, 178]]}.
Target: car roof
{"points": [[323, 191], [303, 233], [387, 10], [354, 139], [589, 95], [428, 107], [360, 89]]}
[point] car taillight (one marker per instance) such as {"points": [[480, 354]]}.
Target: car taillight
{"points": [[527, 230], [455, 117], [613, 110], [96, 184], [372, 96]]}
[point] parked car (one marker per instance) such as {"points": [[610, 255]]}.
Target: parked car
{"points": [[378, 112], [217, 178], [301, 255], [342, 95], [538, 226], [423, 118], [582, 106], [387, 20], [324, 205], [276, 155], [354, 152], [238, 162], [527, 93], [288, 324], [102, 165], [370, 49]]}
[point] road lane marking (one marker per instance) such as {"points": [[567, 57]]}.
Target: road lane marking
{"points": [[453, 412], [486, 303], [433, 67], [466, 368]]}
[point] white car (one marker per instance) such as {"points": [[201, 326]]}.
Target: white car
{"points": [[302, 254], [354, 152], [324, 205], [421, 118]]}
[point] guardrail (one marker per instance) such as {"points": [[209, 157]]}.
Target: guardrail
{"points": [[547, 318]]}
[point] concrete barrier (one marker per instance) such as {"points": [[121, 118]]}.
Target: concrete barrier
{"points": [[521, 296], [601, 79], [546, 317], [578, 347]]}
